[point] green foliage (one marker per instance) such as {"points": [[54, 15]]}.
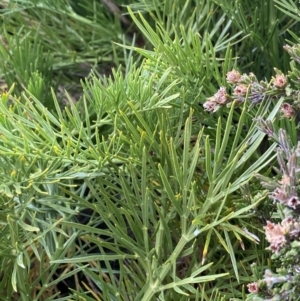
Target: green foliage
{"points": [[256, 30], [146, 183], [63, 40], [125, 188]]}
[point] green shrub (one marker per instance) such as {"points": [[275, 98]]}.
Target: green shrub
{"points": [[132, 190]]}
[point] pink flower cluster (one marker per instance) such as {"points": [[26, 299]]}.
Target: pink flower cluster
{"points": [[278, 234], [241, 83], [213, 103], [280, 194], [285, 193], [283, 237], [287, 110], [247, 85]]}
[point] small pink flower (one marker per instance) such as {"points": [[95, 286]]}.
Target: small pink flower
{"points": [[293, 202], [279, 194], [253, 287], [280, 81], [210, 106], [287, 110], [240, 90], [275, 236], [220, 96], [291, 227], [233, 77]]}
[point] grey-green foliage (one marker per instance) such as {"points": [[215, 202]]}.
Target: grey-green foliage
{"points": [[74, 32], [258, 29], [75, 38], [202, 17], [22, 58], [161, 202], [160, 176], [63, 40]]}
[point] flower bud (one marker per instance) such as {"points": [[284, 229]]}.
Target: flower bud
{"points": [[287, 110], [233, 77], [280, 81]]}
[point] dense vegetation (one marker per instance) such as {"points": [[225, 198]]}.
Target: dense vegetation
{"points": [[149, 150]]}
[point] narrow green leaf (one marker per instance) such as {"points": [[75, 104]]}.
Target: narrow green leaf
{"points": [[232, 254], [90, 258], [208, 164], [169, 191], [28, 227]]}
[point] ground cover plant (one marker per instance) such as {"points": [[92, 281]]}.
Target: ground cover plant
{"points": [[150, 180]]}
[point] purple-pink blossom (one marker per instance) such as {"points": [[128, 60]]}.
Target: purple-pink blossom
{"points": [[233, 77], [210, 106], [280, 81], [220, 96], [253, 287], [275, 236], [287, 110], [240, 90]]}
